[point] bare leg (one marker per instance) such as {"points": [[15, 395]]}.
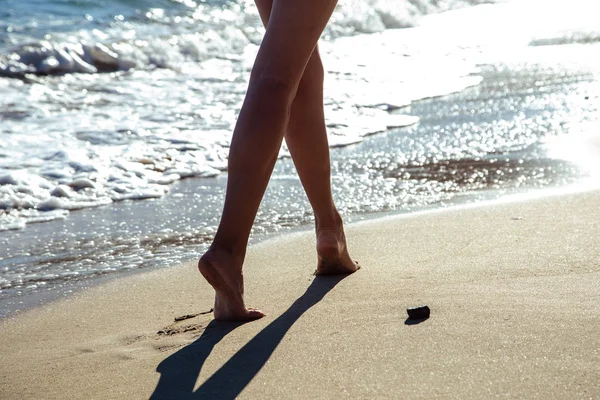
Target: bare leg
{"points": [[291, 36], [306, 137]]}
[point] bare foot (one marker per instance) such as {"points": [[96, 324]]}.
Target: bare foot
{"points": [[226, 278], [333, 254]]}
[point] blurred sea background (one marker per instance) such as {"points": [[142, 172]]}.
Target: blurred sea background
{"points": [[107, 106]]}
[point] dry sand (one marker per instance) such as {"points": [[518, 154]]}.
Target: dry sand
{"points": [[514, 291]]}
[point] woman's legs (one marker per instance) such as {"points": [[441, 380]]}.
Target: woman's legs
{"points": [[291, 36]]}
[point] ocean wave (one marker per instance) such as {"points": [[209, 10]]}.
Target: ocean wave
{"points": [[369, 16], [163, 38], [584, 36], [46, 58], [92, 139]]}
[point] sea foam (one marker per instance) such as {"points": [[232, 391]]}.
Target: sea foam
{"points": [[173, 82]]}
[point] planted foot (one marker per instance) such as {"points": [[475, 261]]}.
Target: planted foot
{"points": [[222, 273], [333, 257]]}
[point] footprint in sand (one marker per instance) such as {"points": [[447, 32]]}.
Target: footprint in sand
{"points": [[186, 323]]}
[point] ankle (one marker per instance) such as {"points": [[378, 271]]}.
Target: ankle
{"points": [[220, 255], [228, 244], [330, 222]]}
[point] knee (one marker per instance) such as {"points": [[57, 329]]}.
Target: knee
{"points": [[278, 84], [274, 86]]}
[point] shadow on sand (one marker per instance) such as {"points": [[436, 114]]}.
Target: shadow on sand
{"points": [[179, 372]]}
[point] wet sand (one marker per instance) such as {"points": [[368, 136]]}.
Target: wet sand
{"points": [[512, 287]]}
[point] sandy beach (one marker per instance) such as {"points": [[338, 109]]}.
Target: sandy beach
{"points": [[476, 148], [513, 288]]}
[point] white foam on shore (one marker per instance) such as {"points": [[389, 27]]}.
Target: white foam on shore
{"points": [[84, 140]]}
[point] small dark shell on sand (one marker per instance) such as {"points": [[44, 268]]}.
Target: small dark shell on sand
{"points": [[421, 312]]}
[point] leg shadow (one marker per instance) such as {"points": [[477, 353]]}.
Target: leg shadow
{"points": [[180, 371]]}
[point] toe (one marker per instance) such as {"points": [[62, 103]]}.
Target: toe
{"points": [[253, 314]]}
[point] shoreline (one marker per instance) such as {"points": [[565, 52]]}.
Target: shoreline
{"points": [[515, 280], [491, 198], [127, 237]]}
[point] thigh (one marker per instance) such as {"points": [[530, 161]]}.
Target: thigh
{"points": [[264, 10], [293, 29]]}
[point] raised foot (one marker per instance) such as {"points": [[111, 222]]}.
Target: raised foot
{"points": [[228, 282], [333, 257]]}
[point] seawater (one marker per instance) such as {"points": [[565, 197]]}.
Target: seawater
{"points": [[119, 100], [115, 101]]}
